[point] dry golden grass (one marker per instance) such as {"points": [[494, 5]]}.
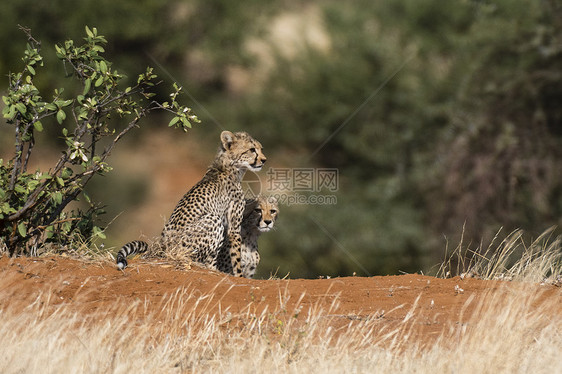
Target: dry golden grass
{"points": [[511, 259], [503, 337], [511, 331]]}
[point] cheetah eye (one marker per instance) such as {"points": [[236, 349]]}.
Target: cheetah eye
{"points": [[253, 150], [273, 211], [257, 210]]}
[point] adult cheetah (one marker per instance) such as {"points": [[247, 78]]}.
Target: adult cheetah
{"points": [[209, 215]]}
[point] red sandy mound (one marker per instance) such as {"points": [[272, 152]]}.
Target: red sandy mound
{"points": [[90, 287]]}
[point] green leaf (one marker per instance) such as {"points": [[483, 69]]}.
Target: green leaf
{"points": [[21, 108], [38, 126], [99, 81], [185, 123], [87, 85], [173, 121], [82, 113], [87, 197], [57, 198], [66, 173], [32, 184], [98, 232], [60, 51], [9, 112], [61, 116], [89, 32], [51, 107], [22, 230], [64, 103], [31, 69], [6, 208], [103, 67], [19, 189]]}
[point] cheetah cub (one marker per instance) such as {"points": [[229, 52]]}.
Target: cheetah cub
{"points": [[259, 217], [209, 216]]}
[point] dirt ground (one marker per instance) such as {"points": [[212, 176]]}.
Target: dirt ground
{"points": [[92, 287]]}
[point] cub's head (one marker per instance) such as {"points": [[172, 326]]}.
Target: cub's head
{"points": [[260, 213], [242, 151]]}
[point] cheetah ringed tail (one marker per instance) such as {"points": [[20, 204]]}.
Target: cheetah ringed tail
{"points": [[129, 249]]}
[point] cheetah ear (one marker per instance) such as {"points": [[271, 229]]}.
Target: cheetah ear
{"points": [[227, 138]]}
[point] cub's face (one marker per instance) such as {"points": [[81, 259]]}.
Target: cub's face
{"points": [[244, 151], [261, 213]]}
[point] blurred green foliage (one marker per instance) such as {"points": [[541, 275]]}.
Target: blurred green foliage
{"points": [[438, 115], [33, 205]]}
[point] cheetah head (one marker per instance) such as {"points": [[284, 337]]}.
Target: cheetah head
{"points": [[242, 150], [261, 212]]}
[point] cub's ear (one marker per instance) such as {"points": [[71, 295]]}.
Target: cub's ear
{"points": [[227, 138]]}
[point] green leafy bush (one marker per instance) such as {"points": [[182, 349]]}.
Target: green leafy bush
{"points": [[33, 204]]}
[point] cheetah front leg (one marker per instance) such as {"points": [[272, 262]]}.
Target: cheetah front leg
{"points": [[234, 250], [234, 239]]}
